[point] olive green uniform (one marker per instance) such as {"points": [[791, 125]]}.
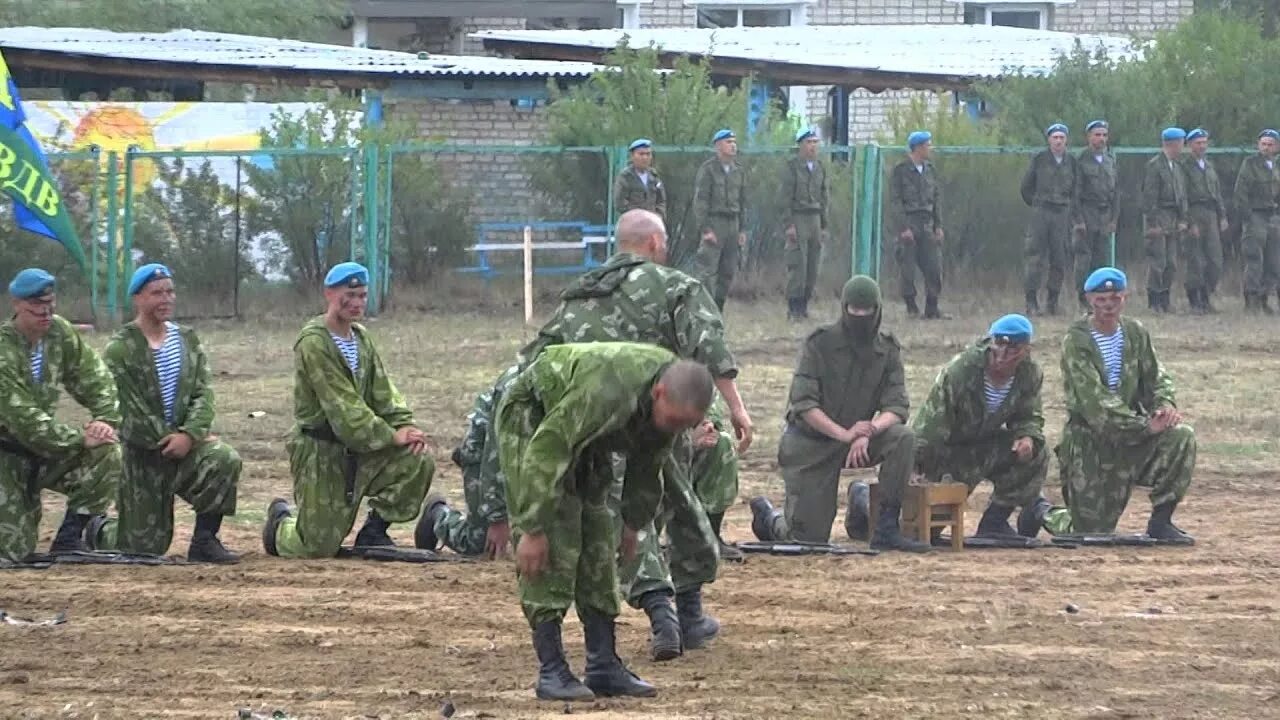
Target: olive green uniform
{"points": [[1164, 209], [1206, 212], [915, 204], [804, 206], [631, 191], [1099, 196], [1257, 197], [1049, 187], [719, 200]]}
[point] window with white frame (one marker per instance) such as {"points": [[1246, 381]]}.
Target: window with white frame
{"points": [[747, 13], [1032, 16], [629, 13]]}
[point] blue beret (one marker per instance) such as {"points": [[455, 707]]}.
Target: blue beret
{"points": [[918, 137], [31, 283], [1269, 133], [641, 143], [1105, 279], [1012, 328], [347, 274], [805, 134], [1055, 128], [1197, 133], [145, 274], [724, 134], [1173, 133], [1096, 124]]}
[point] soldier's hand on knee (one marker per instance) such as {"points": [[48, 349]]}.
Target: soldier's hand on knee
{"points": [[858, 456], [1023, 448], [533, 555], [630, 541], [497, 539], [175, 446], [98, 433]]}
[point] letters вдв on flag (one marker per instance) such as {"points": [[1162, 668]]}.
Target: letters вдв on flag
{"points": [[25, 177]]}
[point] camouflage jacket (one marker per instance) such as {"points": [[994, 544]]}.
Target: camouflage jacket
{"points": [[1096, 185], [804, 190], [1258, 186], [1144, 387], [479, 449], [955, 413], [718, 193], [1164, 189], [630, 299], [847, 382], [27, 415], [132, 362], [364, 412], [1048, 182], [1203, 185], [630, 193], [592, 395], [913, 192]]}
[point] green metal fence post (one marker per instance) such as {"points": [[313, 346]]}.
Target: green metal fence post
{"points": [[385, 222], [113, 224], [126, 229], [94, 229], [371, 224], [855, 211], [877, 218], [866, 219]]}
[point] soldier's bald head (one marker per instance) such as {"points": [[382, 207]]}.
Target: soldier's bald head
{"points": [[643, 233], [687, 388]]}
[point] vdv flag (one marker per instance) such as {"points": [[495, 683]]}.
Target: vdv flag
{"points": [[25, 177]]}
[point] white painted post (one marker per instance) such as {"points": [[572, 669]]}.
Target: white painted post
{"points": [[528, 275], [360, 32]]}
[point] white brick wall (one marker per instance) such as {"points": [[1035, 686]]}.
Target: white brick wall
{"points": [[1121, 16]]}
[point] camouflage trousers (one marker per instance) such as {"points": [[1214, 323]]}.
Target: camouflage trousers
{"points": [[1014, 484], [465, 532], [715, 475], [1098, 476], [811, 472], [717, 264], [1203, 253], [87, 477], [394, 479], [803, 255], [924, 252], [694, 551], [206, 479], [583, 566], [1162, 252]]}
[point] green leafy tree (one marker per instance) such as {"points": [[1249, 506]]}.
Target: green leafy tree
{"points": [[296, 19]]}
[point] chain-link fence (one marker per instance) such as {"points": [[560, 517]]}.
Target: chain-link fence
{"points": [[244, 229]]}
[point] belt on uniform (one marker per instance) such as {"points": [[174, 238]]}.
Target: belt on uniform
{"points": [[1056, 207], [10, 445], [350, 461]]}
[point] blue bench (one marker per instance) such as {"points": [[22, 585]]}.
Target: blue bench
{"points": [[590, 238]]}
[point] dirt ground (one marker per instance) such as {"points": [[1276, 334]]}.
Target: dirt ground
{"points": [[1159, 633]]}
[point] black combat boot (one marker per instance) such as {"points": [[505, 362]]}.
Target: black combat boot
{"points": [[70, 537], [555, 680], [93, 532], [913, 310], [1033, 303], [1193, 302], [277, 510], [696, 627], [424, 535], [931, 311], [1153, 301], [1031, 519], [1206, 304], [1264, 304], [857, 514], [205, 546], [1165, 302], [995, 522], [1161, 527], [606, 675], [374, 532], [728, 552], [664, 626], [888, 536], [762, 518], [793, 309], [804, 306], [1051, 307]]}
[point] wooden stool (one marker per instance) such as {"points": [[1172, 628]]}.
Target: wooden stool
{"points": [[934, 505]]}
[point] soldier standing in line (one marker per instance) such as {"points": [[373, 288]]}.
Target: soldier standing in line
{"points": [[1099, 210], [639, 186], [915, 213], [719, 201], [1207, 216], [1049, 186], [1258, 200], [1164, 213], [804, 221]]}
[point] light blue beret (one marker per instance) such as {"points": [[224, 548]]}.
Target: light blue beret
{"points": [[1197, 133], [641, 143], [31, 283], [145, 274], [347, 274], [1173, 133], [1269, 133], [1105, 279], [919, 137], [724, 134], [1012, 328], [1096, 124], [1055, 128], [805, 134]]}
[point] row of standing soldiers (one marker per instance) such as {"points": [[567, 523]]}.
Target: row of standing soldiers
{"points": [[1076, 209]]}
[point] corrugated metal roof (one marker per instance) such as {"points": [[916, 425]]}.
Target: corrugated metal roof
{"points": [[966, 51], [247, 51]]}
